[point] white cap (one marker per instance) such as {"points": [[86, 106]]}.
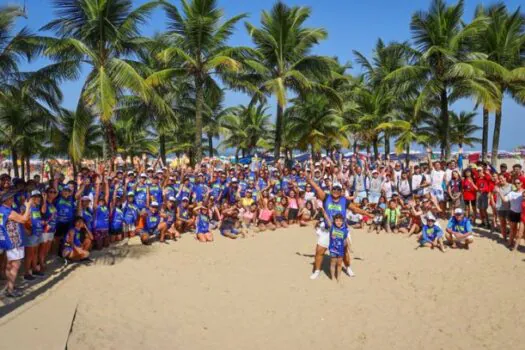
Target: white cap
{"points": [[149, 169], [172, 199], [235, 179], [85, 198], [154, 204], [185, 199], [431, 217], [35, 193], [458, 211], [375, 171], [160, 171], [143, 175], [337, 185], [317, 164], [131, 173]]}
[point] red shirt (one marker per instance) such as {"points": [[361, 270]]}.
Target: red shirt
{"points": [[469, 192], [484, 183], [523, 212]]}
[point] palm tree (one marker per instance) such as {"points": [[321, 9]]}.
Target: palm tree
{"points": [[462, 128], [408, 127], [246, 129], [213, 116], [446, 68], [284, 44], [503, 42], [315, 123], [101, 35], [198, 42]]}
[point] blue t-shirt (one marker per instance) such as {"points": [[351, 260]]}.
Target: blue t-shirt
{"points": [[338, 236], [117, 220], [203, 223], [65, 210], [429, 234], [51, 217], [462, 226], [333, 207]]}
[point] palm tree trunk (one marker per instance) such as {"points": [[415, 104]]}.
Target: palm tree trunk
{"points": [[355, 146], [162, 147], [210, 144], [14, 159], [237, 155], [23, 167], [312, 153], [485, 137], [387, 144], [407, 160], [28, 166], [111, 141], [278, 131], [375, 144], [199, 96], [445, 118], [495, 136]]}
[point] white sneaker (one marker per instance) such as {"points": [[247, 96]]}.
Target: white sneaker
{"points": [[349, 272], [315, 274]]}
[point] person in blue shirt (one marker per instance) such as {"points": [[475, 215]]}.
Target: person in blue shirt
{"points": [[150, 231], [155, 190], [338, 242], [459, 230], [203, 224], [50, 217], [101, 216], [131, 216], [33, 236], [116, 218], [168, 216], [431, 234], [77, 241], [65, 206]]}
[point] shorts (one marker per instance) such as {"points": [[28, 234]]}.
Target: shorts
{"points": [[31, 241], [503, 213], [483, 200], [323, 237], [374, 197], [100, 234], [233, 231], [514, 217], [438, 193], [456, 203], [469, 203], [115, 232], [419, 192], [47, 236], [292, 213], [62, 229], [279, 218], [463, 239], [15, 254], [129, 227]]}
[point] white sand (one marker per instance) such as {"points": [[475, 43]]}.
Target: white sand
{"points": [[256, 294]]}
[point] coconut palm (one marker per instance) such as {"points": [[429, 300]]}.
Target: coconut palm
{"points": [[446, 68], [315, 123], [503, 41], [286, 64], [102, 35], [198, 37], [246, 129], [463, 128]]}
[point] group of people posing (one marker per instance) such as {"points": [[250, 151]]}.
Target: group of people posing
{"points": [[71, 217]]}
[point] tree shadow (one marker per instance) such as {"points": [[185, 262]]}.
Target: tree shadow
{"points": [[496, 237], [117, 253]]}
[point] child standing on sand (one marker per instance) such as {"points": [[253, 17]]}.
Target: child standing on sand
{"points": [[338, 242]]}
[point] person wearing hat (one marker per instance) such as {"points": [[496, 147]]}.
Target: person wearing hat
{"points": [[50, 217], [141, 192], [432, 235], [131, 216], [33, 233], [101, 215], [199, 188], [65, 206], [155, 191], [184, 220], [116, 216], [185, 189], [459, 230], [202, 223], [168, 215], [333, 203], [11, 240], [374, 192], [150, 231]]}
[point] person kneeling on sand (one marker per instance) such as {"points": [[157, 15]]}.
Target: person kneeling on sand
{"points": [[459, 230], [78, 241], [151, 224], [432, 235]]}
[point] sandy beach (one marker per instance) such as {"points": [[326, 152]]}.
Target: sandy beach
{"points": [[256, 293]]}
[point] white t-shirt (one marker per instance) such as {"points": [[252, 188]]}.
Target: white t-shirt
{"points": [[436, 179], [404, 187], [416, 181], [515, 199]]}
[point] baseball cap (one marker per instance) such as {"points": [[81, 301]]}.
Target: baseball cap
{"points": [[458, 211], [35, 193], [337, 186], [85, 198], [143, 175], [185, 199], [149, 169], [131, 173], [154, 204], [130, 193], [160, 171], [172, 199], [431, 217], [235, 180]]}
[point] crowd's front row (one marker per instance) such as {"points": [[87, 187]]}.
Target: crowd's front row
{"points": [[72, 218]]}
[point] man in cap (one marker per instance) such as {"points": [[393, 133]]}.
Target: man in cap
{"points": [[432, 235], [459, 230]]}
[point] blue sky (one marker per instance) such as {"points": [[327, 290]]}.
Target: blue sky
{"points": [[351, 25]]}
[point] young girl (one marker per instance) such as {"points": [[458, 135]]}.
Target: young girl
{"points": [[78, 241], [306, 214], [392, 214], [280, 213], [338, 243], [265, 219], [167, 223], [432, 235], [101, 217], [249, 216], [116, 218], [203, 224]]}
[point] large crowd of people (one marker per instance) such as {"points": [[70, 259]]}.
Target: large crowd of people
{"points": [[54, 215]]}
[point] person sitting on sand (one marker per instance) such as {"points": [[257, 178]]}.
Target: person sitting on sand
{"points": [[306, 214], [459, 230], [77, 241], [202, 222], [432, 235], [151, 224], [392, 215], [227, 225]]}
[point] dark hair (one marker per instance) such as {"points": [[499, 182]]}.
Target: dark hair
{"points": [[338, 216]]}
